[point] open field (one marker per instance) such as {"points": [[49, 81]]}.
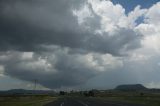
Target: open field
{"points": [[108, 98], [147, 99], [25, 100]]}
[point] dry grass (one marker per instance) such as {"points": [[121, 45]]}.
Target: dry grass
{"points": [[26, 100]]}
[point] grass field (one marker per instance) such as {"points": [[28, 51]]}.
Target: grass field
{"points": [[147, 100], [26, 100]]}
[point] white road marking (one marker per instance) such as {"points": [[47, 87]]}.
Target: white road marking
{"points": [[87, 102], [62, 104], [115, 104], [84, 104]]}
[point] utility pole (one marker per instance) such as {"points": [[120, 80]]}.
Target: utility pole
{"points": [[35, 84]]}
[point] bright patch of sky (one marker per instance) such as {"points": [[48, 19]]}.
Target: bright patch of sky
{"points": [[129, 5]]}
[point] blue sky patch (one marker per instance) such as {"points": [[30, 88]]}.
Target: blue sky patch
{"points": [[129, 5]]}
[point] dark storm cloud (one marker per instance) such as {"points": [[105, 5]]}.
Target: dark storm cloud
{"points": [[52, 70], [59, 43], [27, 25]]}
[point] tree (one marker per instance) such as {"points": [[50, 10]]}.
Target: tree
{"points": [[61, 93], [91, 93]]}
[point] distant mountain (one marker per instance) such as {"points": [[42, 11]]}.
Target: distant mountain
{"points": [[131, 87], [25, 92]]}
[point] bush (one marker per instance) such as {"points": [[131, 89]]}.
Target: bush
{"points": [[61, 93]]}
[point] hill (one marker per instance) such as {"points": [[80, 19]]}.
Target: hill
{"points": [[131, 87], [25, 92]]}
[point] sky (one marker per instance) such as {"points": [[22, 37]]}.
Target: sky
{"points": [[79, 44]]}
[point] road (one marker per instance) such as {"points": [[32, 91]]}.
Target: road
{"points": [[86, 102]]}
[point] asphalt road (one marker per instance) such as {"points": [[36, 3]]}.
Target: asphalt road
{"points": [[86, 102]]}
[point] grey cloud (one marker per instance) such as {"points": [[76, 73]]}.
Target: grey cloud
{"points": [[123, 40], [133, 72], [26, 25], [52, 70], [50, 30]]}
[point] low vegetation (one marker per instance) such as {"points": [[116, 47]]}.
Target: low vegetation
{"points": [[25, 100], [147, 99], [136, 94]]}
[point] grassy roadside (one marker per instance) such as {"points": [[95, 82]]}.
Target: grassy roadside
{"points": [[148, 101], [26, 101]]}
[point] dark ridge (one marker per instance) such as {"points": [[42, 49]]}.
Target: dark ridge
{"points": [[26, 92], [131, 87]]}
